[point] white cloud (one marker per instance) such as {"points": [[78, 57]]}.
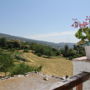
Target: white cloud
{"points": [[66, 36], [52, 34]]}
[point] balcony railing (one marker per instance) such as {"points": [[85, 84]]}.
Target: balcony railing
{"points": [[75, 81]]}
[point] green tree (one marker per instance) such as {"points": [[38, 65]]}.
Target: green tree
{"points": [[6, 62], [14, 44], [83, 34], [3, 42], [66, 49]]}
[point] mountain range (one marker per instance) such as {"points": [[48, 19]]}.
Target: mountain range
{"points": [[54, 45]]}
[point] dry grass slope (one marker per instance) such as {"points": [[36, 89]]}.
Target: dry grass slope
{"points": [[52, 66]]}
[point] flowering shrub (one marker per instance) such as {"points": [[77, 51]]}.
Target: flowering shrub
{"points": [[83, 32]]}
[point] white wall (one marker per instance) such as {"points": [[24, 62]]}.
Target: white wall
{"points": [[87, 49], [79, 66]]}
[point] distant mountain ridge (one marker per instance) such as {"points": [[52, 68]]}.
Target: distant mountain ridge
{"points": [[54, 45]]}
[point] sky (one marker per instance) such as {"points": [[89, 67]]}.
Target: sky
{"points": [[47, 20]]}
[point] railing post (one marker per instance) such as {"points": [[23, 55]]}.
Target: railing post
{"points": [[79, 87], [75, 81]]}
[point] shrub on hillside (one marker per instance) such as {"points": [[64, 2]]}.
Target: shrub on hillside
{"points": [[20, 58], [41, 50], [23, 68], [6, 62], [26, 50]]}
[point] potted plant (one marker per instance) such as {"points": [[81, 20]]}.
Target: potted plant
{"points": [[83, 34]]}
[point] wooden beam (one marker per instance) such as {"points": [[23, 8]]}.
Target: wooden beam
{"points": [[74, 81], [79, 87]]}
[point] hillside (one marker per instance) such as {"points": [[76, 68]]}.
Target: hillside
{"points": [[52, 66], [54, 45]]}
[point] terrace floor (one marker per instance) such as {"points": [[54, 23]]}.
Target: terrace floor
{"points": [[31, 81]]}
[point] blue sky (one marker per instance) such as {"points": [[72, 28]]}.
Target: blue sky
{"points": [[48, 20]]}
